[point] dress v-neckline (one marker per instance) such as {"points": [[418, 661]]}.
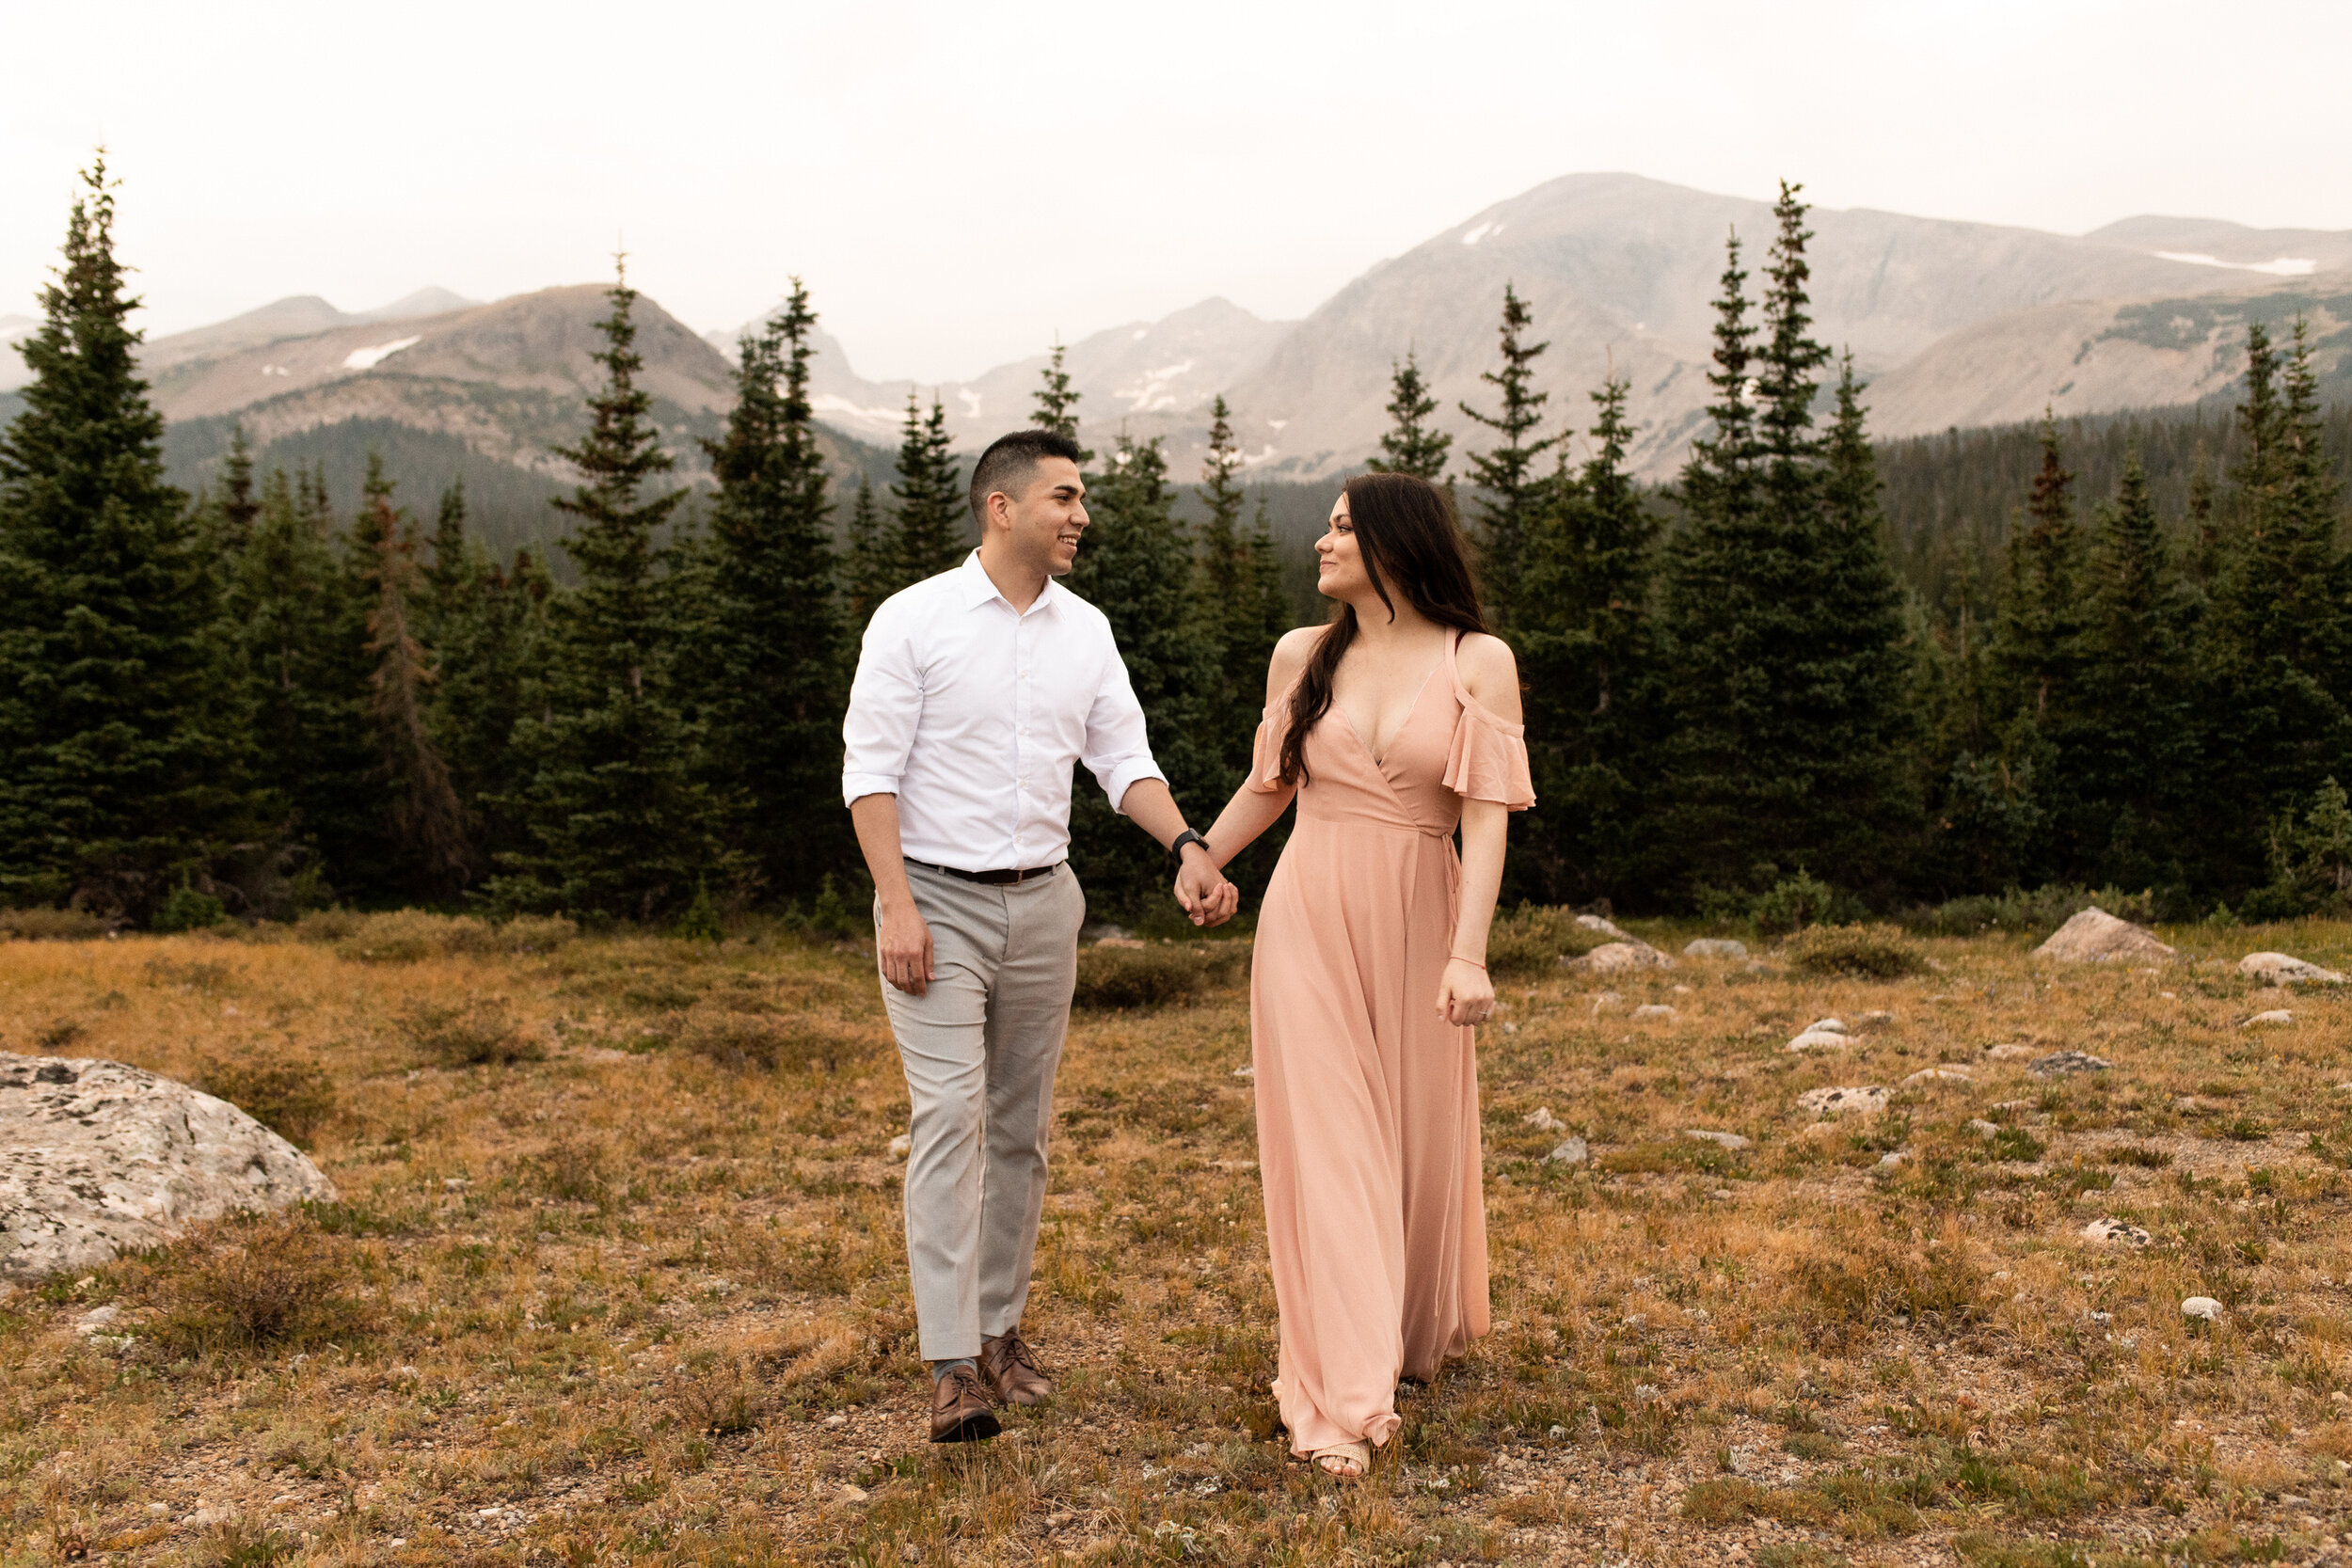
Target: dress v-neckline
{"points": [[1379, 761]]}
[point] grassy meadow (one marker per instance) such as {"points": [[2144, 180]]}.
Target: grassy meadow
{"points": [[617, 1272]]}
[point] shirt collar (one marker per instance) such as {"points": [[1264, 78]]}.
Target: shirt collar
{"points": [[977, 587]]}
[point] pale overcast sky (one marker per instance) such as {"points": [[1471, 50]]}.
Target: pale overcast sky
{"points": [[959, 181]]}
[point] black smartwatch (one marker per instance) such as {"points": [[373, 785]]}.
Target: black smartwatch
{"points": [[1188, 836]]}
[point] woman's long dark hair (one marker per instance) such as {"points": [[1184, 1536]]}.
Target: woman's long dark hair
{"points": [[1405, 532]]}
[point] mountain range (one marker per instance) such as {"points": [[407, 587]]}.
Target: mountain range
{"points": [[1954, 323]]}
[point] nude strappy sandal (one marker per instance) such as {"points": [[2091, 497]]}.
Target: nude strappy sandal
{"points": [[1344, 1461]]}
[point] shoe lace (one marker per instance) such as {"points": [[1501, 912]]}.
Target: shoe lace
{"points": [[967, 1383], [1015, 1348]]}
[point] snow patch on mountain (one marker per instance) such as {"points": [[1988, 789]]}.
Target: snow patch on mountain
{"points": [[2283, 266], [368, 358]]}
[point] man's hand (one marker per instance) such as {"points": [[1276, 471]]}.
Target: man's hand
{"points": [[1203, 891], [905, 948]]}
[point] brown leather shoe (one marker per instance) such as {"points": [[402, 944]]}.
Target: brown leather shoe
{"points": [[1011, 1371], [959, 1411]]}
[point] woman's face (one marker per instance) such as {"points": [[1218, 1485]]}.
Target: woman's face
{"points": [[1340, 570]]}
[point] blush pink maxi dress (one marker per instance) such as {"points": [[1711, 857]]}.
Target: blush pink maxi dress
{"points": [[1367, 1100]]}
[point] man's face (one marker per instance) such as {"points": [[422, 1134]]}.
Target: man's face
{"points": [[1048, 518]]}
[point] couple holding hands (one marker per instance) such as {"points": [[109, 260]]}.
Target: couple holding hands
{"points": [[1391, 726]]}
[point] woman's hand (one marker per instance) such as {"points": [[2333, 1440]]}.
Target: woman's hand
{"points": [[1465, 996]]}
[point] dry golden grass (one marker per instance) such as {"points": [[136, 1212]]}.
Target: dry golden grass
{"points": [[617, 1277]]}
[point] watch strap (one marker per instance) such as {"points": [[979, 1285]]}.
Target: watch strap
{"points": [[1189, 836]]}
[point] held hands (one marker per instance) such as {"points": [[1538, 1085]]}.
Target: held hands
{"points": [[904, 947], [1465, 996], [1203, 891]]}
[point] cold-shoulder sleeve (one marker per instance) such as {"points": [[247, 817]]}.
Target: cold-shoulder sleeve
{"points": [[1265, 755], [1487, 760]]}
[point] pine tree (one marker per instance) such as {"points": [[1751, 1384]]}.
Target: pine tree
{"points": [[1586, 646], [778, 677], [425, 826], [489, 646], [2133, 749], [1511, 490], [1236, 576], [1719, 484], [1057, 403], [617, 822], [1136, 566], [1786, 667], [928, 532], [2040, 631], [451, 548], [2271, 648], [113, 785], [1792, 451], [868, 568], [235, 505], [1868, 649], [297, 620], [1409, 446]]}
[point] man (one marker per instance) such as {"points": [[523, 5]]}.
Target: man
{"points": [[976, 690]]}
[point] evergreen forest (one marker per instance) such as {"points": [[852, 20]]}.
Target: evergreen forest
{"points": [[2119, 658]]}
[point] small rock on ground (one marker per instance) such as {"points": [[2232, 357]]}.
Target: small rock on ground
{"points": [[1983, 1128], [1940, 1075], [2059, 1063], [1715, 948], [1653, 1009], [2115, 1230], [1819, 1040], [2096, 936], [2200, 1307], [2276, 1015], [1863, 1098], [1723, 1140], [1571, 1151], [1542, 1121], [2283, 970], [1618, 958]]}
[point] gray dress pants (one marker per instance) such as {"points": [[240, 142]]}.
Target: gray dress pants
{"points": [[979, 1048]]}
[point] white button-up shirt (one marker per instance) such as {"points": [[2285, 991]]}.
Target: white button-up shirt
{"points": [[971, 713]]}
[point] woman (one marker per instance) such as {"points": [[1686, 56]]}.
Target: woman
{"points": [[1392, 725]]}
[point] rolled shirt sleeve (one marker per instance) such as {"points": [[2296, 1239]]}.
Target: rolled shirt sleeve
{"points": [[1117, 751], [885, 708]]}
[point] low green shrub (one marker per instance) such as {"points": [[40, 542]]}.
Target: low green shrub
{"points": [[250, 1283], [480, 1032], [293, 1098], [188, 909], [742, 1041], [2036, 914], [408, 936], [1796, 902], [1533, 937], [1870, 952], [1155, 975], [45, 925]]}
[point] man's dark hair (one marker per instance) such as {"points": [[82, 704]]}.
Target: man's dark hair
{"points": [[1010, 461]]}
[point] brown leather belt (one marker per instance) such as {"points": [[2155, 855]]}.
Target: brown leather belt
{"points": [[992, 878]]}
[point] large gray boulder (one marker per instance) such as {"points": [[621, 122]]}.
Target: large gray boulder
{"points": [[2096, 936], [98, 1158]]}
